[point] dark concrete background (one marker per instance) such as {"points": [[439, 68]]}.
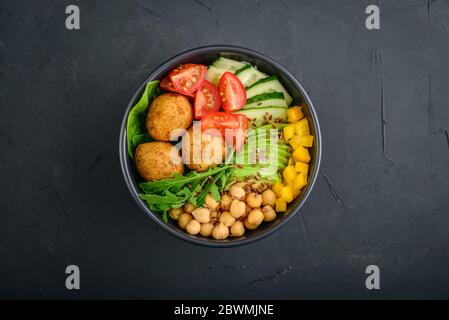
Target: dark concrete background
{"points": [[381, 198]]}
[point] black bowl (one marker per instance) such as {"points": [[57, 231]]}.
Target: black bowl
{"points": [[205, 55]]}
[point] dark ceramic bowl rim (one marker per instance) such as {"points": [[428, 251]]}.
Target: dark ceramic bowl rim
{"points": [[134, 189]]}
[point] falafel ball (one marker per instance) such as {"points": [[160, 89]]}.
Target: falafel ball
{"points": [[167, 112], [209, 149], [157, 160]]}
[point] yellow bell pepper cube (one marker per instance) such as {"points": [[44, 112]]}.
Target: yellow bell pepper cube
{"points": [[289, 131], [297, 192], [277, 187], [302, 127], [287, 193], [291, 161], [302, 154], [300, 181], [306, 141], [301, 141], [289, 173], [292, 187], [302, 167], [281, 205], [295, 141], [294, 114]]}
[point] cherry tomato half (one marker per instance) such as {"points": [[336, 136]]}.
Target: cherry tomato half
{"points": [[232, 127], [238, 135], [187, 78], [206, 100], [219, 121], [232, 92], [243, 127], [167, 85]]}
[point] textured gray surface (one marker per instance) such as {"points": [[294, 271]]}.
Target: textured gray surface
{"points": [[382, 196]]}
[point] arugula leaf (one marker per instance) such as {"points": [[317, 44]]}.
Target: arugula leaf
{"points": [[186, 191], [162, 195], [215, 193], [225, 181], [178, 181], [164, 216], [192, 201], [168, 198], [207, 189], [136, 118], [172, 197], [199, 186]]}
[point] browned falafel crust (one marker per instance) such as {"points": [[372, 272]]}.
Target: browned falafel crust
{"points": [[168, 112], [154, 160]]}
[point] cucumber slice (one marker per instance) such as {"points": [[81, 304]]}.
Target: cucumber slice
{"points": [[267, 85], [247, 66], [266, 96], [250, 76], [276, 103], [214, 74], [228, 64], [259, 117], [272, 99]]}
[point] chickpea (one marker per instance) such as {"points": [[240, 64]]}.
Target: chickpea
{"points": [[193, 227], [268, 198], [254, 200], [255, 217], [225, 202], [237, 192], [241, 184], [188, 208], [249, 226], [268, 213], [210, 202], [237, 229], [227, 218], [201, 215], [175, 213], [214, 216], [220, 231], [206, 229], [184, 219], [243, 216], [237, 208]]}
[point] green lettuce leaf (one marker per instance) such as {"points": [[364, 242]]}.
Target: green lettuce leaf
{"points": [[136, 118], [141, 138]]}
